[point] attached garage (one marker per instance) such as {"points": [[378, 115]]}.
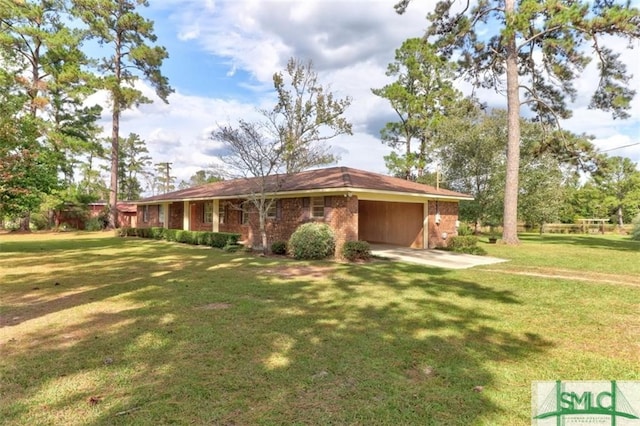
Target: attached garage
{"points": [[394, 223]]}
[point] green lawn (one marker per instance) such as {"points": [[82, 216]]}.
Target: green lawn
{"points": [[96, 330]]}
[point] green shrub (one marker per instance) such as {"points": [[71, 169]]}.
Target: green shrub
{"points": [[39, 221], [185, 237], [205, 238], [170, 234], [356, 250], [94, 224], [464, 230], [465, 244], [635, 232], [157, 233], [312, 241], [279, 247], [189, 237], [123, 232], [220, 239], [200, 238]]}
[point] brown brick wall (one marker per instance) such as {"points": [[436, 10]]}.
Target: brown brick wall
{"points": [[196, 220], [232, 220], [176, 215], [448, 216], [154, 217], [341, 213], [344, 220]]}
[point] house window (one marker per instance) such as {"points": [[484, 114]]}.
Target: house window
{"points": [[272, 210], [208, 213], [317, 206], [222, 213], [145, 213], [161, 214], [244, 217]]}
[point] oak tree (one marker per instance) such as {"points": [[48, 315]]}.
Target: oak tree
{"points": [[290, 139], [250, 152], [306, 115]]}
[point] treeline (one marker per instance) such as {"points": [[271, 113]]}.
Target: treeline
{"points": [[51, 151], [447, 140]]}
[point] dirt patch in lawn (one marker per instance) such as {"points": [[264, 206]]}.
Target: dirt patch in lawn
{"points": [[311, 271], [216, 306], [576, 276]]}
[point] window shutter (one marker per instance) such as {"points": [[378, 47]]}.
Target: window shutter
{"points": [[306, 202], [327, 201], [278, 209]]}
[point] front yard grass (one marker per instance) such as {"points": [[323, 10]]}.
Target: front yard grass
{"points": [[97, 330]]}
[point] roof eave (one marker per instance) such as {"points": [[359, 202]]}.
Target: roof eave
{"points": [[371, 193]]}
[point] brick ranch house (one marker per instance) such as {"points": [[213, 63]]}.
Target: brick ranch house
{"points": [[358, 205]]}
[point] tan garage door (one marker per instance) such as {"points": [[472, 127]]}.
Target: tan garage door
{"points": [[391, 223]]}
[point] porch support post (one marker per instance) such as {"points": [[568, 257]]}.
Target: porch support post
{"points": [[425, 225], [186, 213], [216, 219], [165, 209]]}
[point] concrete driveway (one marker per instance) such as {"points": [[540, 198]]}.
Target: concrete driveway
{"points": [[437, 258]]}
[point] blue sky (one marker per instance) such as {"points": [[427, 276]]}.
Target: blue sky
{"points": [[224, 53]]}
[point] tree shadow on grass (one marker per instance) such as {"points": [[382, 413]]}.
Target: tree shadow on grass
{"points": [[221, 341]]}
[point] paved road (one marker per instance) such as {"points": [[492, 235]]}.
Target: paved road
{"points": [[437, 258]]}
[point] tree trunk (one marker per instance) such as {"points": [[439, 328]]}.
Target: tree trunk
{"points": [[510, 218], [620, 217], [263, 232], [115, 138], [24, 223], [113, 187]]}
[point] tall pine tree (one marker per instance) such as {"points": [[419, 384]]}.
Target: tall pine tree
{"points": [[535, 50], [117, 25]]}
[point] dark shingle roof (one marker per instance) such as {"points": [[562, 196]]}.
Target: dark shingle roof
{"points": [[338, 178]]}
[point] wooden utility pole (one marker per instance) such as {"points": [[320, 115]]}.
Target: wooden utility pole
{"points": [[166, 169]]}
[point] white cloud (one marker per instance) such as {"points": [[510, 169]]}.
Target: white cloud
{"points": [[350, 43]]}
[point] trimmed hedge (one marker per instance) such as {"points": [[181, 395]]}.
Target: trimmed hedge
{"points": [[465, 244], [203, 238], [356, 250]]}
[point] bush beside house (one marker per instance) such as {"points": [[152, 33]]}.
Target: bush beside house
{"points": [[204, 238], [312, 241], [356, 250]]}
